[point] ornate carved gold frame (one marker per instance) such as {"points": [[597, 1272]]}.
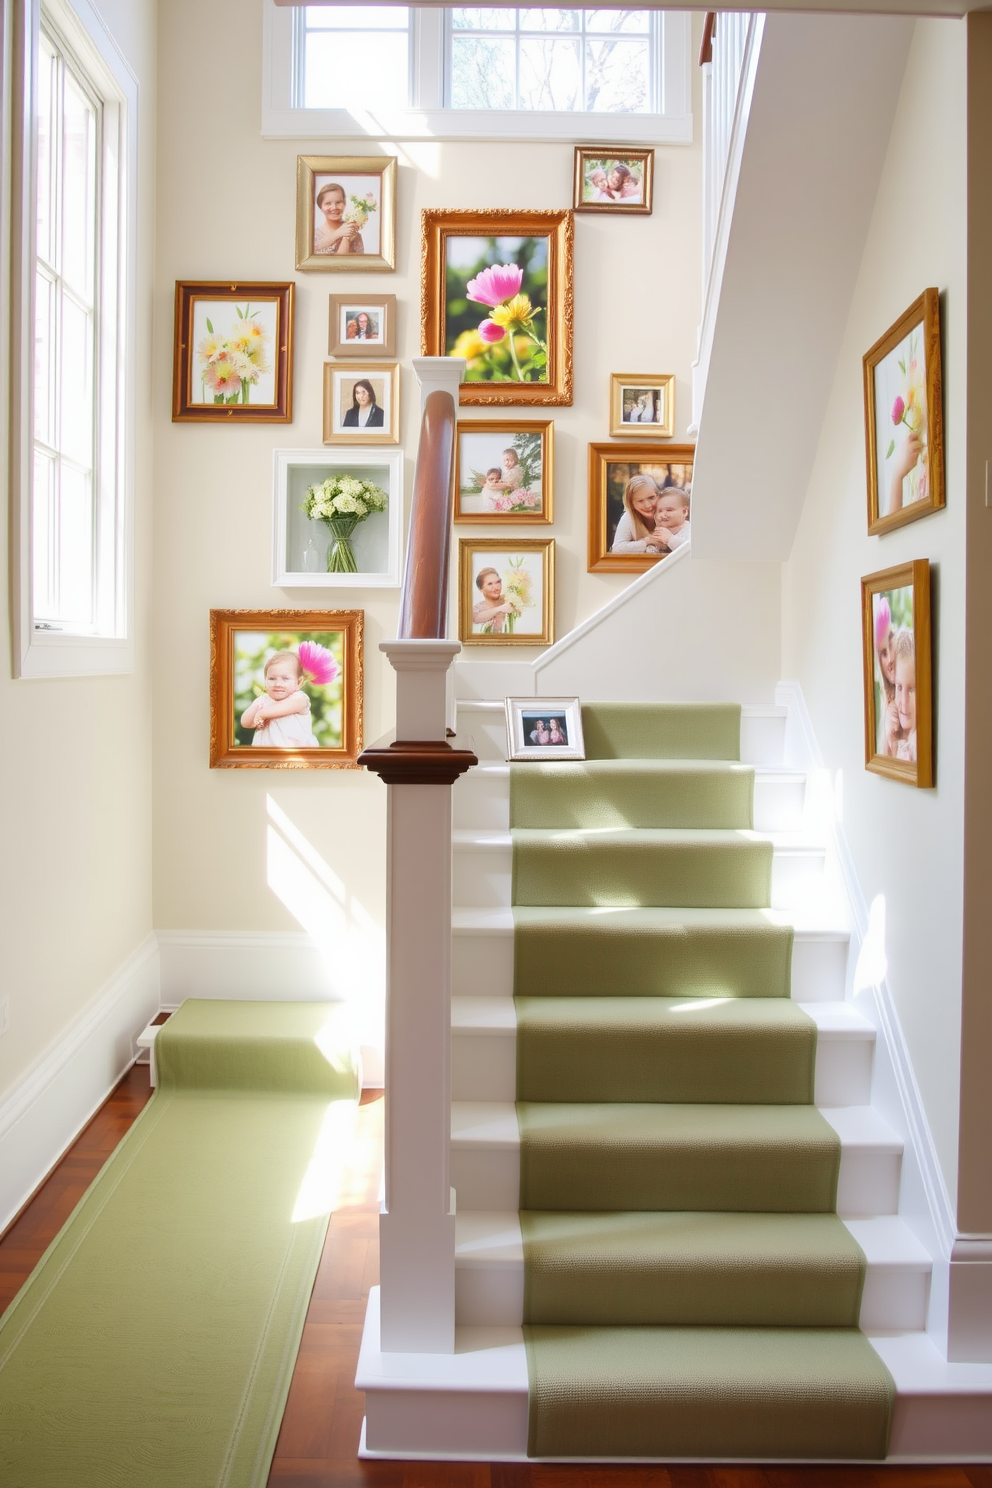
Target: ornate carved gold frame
{"points": [[558, 228]]}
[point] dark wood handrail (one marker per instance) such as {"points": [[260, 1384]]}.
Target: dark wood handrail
{"points": [[706, 45], [424, 600]]}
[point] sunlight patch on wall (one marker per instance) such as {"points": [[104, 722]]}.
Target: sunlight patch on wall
{"points": [[873, 964]]}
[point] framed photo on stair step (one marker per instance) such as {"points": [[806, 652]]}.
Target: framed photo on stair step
{"points": [[544, 728], [895, 609]]}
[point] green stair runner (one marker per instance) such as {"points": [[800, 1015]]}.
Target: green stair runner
{"points": [[689, 1289]]}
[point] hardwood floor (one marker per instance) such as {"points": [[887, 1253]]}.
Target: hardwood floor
{"points": [[320, 1430]]}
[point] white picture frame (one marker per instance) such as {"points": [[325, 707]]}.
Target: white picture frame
{"points": [[529, 719], [376, 541]]}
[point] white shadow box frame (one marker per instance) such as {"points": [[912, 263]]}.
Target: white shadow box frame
{"points": [[297, 539]]}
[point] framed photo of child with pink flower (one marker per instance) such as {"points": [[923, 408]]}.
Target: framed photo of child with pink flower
{"points": [[497, 290], [904, 429], [345, 213], [506, 591], [895, 607], [286, 689], [233, 353], [503, 471]]}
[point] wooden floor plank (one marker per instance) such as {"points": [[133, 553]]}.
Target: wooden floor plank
{"points": [[323, 1420]]}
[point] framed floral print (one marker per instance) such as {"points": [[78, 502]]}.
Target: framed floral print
{"points": [[233, 353]]}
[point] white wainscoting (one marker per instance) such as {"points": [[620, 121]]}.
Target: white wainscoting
{"points": [[53, 1101]]}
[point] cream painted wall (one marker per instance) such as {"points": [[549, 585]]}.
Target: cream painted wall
{"points": [[75, 879], [907, 844], [226, 208]]}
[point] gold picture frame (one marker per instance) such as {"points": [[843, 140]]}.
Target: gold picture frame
{"points": [[895, 623], [614, 178], [342, 381], [459, 249], [904, 424], [220, 328], [244, 645], [642, 406], [521, 566], [612, 467], [361, 325], [482, 445], [360, 178]]}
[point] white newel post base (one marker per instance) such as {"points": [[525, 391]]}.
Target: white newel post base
{"points": [[417, 1223]]}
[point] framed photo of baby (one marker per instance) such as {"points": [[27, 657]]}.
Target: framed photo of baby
{"points": [[506, 591], [497, 290], [358, 324], [639, 501], [612, 180], [503, 471], [285, 689], [904, 429], [345, 213], [895, 608]]}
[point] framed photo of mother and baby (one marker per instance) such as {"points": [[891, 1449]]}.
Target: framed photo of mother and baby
{"points": [[895, 605]]}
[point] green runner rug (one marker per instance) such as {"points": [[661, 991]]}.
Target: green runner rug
{"points": [[155, 1341]]}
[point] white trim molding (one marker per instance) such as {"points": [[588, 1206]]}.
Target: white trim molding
{"points": [[49, 1106], [960, 1314]]}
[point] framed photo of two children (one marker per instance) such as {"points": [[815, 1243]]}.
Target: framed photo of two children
{"points": [[895, 607]]}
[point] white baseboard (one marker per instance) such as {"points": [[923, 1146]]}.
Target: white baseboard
{"points": [[50, 1105], [268, 966]]}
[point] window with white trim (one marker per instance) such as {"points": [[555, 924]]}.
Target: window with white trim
{"points": [[70, 410], [389, 71]]}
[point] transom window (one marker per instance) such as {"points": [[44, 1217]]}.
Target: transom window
{"points": [[405, 72]]}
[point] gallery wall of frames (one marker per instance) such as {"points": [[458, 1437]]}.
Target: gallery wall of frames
{"points": [[497, 286]]}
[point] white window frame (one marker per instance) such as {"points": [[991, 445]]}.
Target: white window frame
{"points": [[426, 120], [40, 650]]}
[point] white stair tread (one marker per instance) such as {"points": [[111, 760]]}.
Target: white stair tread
{"points": [[761, 772], [861, 1128], [493, 1125], [499, 921], [919, 1368], [496, 1015], [491, 1237], [480, 840]]}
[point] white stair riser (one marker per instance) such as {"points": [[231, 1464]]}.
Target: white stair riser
{"points": [[483, 964], [484, 1068], [894, 1297], [489, 1178], [484, 724], [481, 801], [481, 876], [484, 1425]]}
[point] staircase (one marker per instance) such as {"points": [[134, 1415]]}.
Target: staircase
{"points": [[474, 1403]]}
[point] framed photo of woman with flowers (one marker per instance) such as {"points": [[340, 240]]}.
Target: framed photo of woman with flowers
{"points": [[286, 689], [904, 427], [497, 290], [345, 213], [233, 353], [506, 591], [504, 470]]}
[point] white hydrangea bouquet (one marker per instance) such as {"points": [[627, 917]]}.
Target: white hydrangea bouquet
{"points": [[341, 502]]}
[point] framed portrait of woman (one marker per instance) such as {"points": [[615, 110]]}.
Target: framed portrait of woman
{"points": [[497, 290], [345, 213], [361, 325], [608, 179], [895, 616], [639, 501], [506, 591], [362, 403], [642, 405], [904, 428]]}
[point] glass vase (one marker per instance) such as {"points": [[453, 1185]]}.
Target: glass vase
{"points": [[340, 557]]}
